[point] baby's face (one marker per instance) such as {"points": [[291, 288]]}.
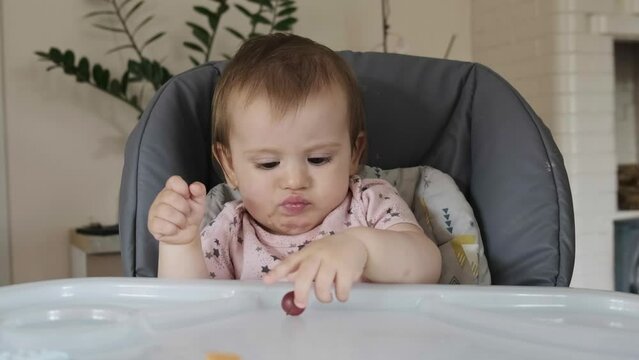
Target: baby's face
{"points": [[291, 171]]}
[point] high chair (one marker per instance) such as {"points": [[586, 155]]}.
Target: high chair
{"points": [[458, 117]]}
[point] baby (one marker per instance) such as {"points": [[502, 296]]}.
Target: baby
{"points": [[288, 126]]}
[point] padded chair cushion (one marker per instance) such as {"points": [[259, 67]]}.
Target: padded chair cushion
{"points": [[445, 216]]}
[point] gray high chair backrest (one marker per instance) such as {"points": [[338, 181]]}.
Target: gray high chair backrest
{"points": [[458, 117]]}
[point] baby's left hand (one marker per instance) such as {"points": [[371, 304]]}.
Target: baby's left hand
{"points": [[337, 259]]}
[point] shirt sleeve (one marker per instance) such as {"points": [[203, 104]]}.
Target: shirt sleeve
{"points": [[217, 237], [383, 205]]}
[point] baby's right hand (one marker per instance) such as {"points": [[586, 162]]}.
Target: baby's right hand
{"points": [[177, 211]]}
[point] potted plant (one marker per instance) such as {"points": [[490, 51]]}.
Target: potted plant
{"points": [[126, 18]]}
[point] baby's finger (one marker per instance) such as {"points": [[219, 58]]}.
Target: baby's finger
{"points": [[324, 283], [198, 192], [169, 213], [161, 228], [304, 279], [283, 269], [175, 200], [343, 284], [178, 185]]}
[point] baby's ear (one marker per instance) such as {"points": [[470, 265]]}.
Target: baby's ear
{"points": [[223, 156], [358, 153]]}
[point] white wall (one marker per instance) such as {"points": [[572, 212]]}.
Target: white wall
{"points": [[5, 259], [65, 140], [552, 52]]}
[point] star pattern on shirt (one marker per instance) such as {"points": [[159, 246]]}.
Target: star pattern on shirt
{"points": [[390, 212], [300, 247], [209, 254], [216, 253], [389, 215], [426, 181], [275, 258], [384, 197], [216, 241], [212, 275], [265, 269], [347, 223], [240, 240], [258, 249]]}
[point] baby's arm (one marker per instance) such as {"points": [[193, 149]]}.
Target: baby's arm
{"points": [[400, 254], [393, 249], [174, 220]]}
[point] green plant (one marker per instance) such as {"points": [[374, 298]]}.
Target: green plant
{"points": [[126, 18], [272, 15]]}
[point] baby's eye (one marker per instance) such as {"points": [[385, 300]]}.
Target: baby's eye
{"points": [[267, 165], [319, 160]]}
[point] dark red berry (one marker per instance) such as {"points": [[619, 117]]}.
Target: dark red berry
{"points": [[288, 305]]}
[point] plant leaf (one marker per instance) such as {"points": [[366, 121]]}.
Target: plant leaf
{"points": [[114, 87], [202, 10], [236, 33], [195, 62], [52, 67], [285, 25], [287, 3], [55, 54], [244, 10], [134, 100], [82, 74], [124, 82], [266, 3], [99, 13], [133, 9], [69, 62], [109, 28], [287, 11], [193, 46], [97, 74], [259, 19], [200, 33], [118, 48], [152, 39], [222, 8], [214, 21], [141, 24]]}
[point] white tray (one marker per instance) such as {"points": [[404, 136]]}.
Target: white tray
{"points": [[127, 318]]}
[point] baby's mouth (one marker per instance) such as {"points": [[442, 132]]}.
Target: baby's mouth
{"points": [[294, 205]]}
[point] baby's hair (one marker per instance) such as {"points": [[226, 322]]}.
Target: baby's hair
{"points": [[287, 69]]}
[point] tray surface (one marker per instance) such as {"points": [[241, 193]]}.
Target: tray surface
{"points": [[127, 318]]}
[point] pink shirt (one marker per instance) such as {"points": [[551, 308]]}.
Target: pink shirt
{"points": [[235, 246]]}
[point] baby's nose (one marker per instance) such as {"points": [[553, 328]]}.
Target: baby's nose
{"points": [[297, 177]]}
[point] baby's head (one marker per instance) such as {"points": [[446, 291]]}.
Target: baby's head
{"points": [[288, 126]]}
